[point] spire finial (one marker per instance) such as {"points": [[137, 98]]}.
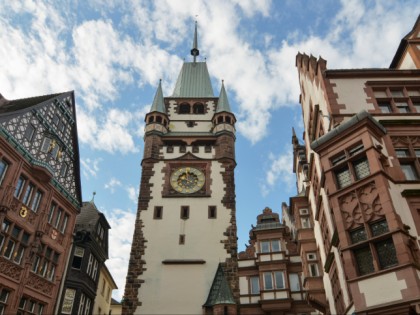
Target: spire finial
{"points": [[194, 51], [93, 196]]}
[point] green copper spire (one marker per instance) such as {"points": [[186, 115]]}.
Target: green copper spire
{"points": [[158, 103], [223, 103], [220, 291]]}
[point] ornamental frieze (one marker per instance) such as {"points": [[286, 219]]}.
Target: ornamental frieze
{"points": [[10, 269], [40, 284]]}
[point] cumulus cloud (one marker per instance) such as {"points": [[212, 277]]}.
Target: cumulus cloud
{"points": [[120, 237], [90, 167], [133, 194], [280, 170], [112, 184]]}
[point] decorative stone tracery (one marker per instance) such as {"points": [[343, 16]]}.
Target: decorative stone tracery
{"points": [[360, 205]]}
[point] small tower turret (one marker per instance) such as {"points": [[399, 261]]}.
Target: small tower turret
{"points": [[157, 119], [223, 119]]}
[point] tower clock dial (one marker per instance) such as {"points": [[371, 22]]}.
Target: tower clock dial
{"points": [[187, 180]]}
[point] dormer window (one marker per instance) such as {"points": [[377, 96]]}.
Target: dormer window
{"points": [[100, 233], [184, 108]]}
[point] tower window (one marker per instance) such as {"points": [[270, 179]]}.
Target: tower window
{"points": [[228, 119], [183, 149], [212, 212], [198, 108], [182, 239], [207, 149], [184, 108], [220, 120], [169, 149], [185, 212], [151, 119], [159, 119], [195, 148], [157, 215]]}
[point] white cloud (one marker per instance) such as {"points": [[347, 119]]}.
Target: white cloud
{"points": [[133, 194], [280, 170], [90, 167], [112, 184], [120, 237]]}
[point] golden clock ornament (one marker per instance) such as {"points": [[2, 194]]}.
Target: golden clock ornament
{"points": [[187, 180]]}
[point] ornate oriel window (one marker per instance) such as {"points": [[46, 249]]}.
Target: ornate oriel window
{"points": [[350, 165], [372, 246]]}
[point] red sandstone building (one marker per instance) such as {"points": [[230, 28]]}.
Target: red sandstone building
{"points": [[356, 215], [270, 270], [40, 196]]}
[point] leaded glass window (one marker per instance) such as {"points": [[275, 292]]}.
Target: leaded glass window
{"points": [[379, 227], [364, 260], [343, 177], [361, 168], [386, 253], [358, 235]]}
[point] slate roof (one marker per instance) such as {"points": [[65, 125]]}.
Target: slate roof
{"points": [[15, 105], [89, 216]]}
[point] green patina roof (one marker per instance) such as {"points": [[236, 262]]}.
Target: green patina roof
{"points": [[158, 104], [220, 292], [193, 81], [223, 103]]}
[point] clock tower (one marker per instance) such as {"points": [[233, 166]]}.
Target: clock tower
{"points": [[184, 252]]}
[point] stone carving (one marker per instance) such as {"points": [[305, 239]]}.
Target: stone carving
{"points": [[10, 269], [40, 284], [360, 205]]}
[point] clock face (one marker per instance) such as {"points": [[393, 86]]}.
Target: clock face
{"points": [[187, 180]]}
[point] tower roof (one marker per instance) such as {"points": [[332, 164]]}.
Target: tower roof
{"points": [[194, 78], [223, 103], [220, 292], [193, 81], [158, 104]]}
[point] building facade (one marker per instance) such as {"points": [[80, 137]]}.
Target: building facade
{"points": [[185, 223], [103, 298], [270, 270], [358, 173], [40, 196], [88, 255]]}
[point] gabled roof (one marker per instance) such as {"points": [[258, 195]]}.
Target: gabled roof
{"points": [[158, 104], [220, 292], [11, 108], [193, 81], [23, 103], [403, 44], [223, 103]]}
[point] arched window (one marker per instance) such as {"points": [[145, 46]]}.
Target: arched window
{"points": [[159, 119], [198, 108], [151, 119], [228, 119], [220, 120], [184, 108]]}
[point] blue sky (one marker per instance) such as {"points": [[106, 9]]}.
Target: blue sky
{"points": [[113, 53]]}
